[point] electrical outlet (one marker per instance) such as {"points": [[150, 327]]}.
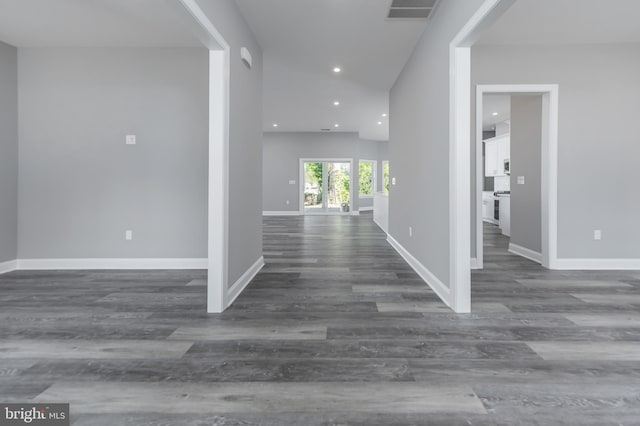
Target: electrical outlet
{"points": [[597, 234], [393, 181], [520, 180], [410, 231], [292, 182], [128, 235]]}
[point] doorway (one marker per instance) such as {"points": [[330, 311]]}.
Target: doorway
{"points": [[326, 186], [548, 173]]}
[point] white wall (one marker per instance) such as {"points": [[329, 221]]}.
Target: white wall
{"points": [[598, 142], [8, 152], [80, 186], [419, 142]]}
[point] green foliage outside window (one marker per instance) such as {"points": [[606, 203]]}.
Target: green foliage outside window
{"points": [[365, 179], [339, 183], [313, 173], [385, 171], [338, 189]]}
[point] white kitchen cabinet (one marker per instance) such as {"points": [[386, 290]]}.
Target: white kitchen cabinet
{"points": [[490, 158], [496, 151], [505, 215]]}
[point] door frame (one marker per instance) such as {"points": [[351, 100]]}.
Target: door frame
{"points": [[218, 298], [549, 164], [301, 183], [458, 294]]}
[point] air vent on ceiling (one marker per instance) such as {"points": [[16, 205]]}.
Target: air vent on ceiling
{"points": [[413, 3], [411, 9]]}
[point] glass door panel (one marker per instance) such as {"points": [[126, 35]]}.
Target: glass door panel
{"points": [[313, 187], [338, 187], [327, 187]]}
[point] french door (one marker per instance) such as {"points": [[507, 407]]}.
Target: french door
{"points": [[326, 186]]}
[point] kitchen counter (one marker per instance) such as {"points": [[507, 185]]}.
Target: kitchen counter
{"points": [[381, 210]]}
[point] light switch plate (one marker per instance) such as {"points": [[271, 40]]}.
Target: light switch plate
{"points": [[520, 180], [130, 139]]}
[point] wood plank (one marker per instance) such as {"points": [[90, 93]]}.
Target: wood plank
{"points": [[264, 397]]}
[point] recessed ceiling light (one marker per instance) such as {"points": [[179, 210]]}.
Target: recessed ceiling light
{"points": [[337, 70], [494, 114], [384, 115], [379, 123], [336, 103], [336, 125], [275, 124]]}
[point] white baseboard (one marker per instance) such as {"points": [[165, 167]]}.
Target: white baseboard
{"points": [[525, 252], [243, 281], [57, 264], [366, 209], [8, 266], [474, 263], [436, 285], [282, 213], [598, 264]]}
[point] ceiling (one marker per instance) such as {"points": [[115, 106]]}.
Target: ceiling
{"points": [[75, 23], [492, 104], [303, 40], [540, 22]]}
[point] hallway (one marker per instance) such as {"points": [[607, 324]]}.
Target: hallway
{"points": [[336, 329]]}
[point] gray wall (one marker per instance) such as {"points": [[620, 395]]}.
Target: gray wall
{"points": [[80, 186], [245, 138], [8, 152], [419, 142], [526, 160], [281, 163], [598, 142]]}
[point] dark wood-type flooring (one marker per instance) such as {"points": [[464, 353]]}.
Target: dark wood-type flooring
{"points": [[335, 330]]}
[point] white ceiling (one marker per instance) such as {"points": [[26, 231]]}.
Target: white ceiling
{"points": [[303, 40], [567, 22], [492, 104], [72, 23]]}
